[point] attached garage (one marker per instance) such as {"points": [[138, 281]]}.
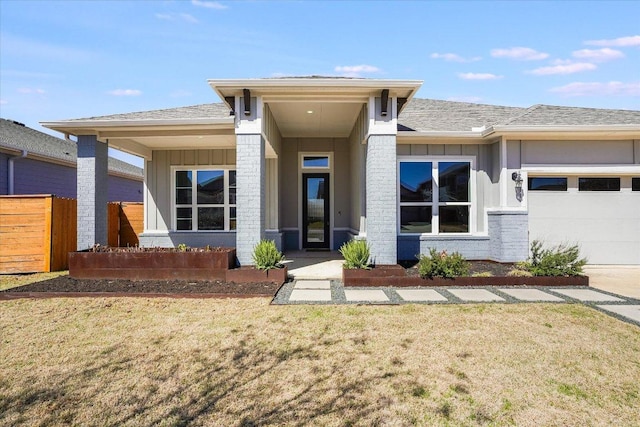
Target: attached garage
{"points": [[600, 213]]}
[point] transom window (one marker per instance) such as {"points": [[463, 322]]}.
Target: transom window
{"points": [[598, 184], [548, 183], [205, 200], [434, 196], [321, 162]]}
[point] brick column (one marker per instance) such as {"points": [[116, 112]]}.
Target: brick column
{"points": [[381, 198], [250, 199], [92, 179]]}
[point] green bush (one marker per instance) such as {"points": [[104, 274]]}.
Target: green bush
{"points": [[561, 260], [266, 256], [442, 265], [356, 254]]}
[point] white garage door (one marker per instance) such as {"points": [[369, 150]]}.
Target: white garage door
{"points": [[600, 214]]}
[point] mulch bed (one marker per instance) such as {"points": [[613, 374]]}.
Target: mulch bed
{"points": [[66, 284], [495, 268]]}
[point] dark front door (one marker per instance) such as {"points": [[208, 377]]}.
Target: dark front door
{"points": [[315, 210]]}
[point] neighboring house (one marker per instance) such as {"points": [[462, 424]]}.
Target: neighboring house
{"points": [[32, 162], [313, 162]]}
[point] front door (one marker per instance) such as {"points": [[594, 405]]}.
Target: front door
{"points": [[315, 210]]}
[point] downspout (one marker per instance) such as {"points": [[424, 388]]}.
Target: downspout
{"points": [[10, 171]]}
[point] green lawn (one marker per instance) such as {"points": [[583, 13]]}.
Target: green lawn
{"points": [[140, 361]]}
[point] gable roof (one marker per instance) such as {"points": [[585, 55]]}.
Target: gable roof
{"points": [[16, 136], [553, 115], [437, 115], [428, 115], [201, 111]]}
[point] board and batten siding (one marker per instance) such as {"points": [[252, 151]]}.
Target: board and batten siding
{"points": [[357, 151], [158, 213], [486, 192]]}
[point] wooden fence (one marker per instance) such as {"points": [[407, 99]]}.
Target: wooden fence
{"points": [[38, 231], [125, 223]]}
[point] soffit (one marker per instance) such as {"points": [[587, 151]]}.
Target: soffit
{"points": [[315, 119]]}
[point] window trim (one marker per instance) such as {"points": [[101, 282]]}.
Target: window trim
{"points": [[194, 198], [435, 202]]}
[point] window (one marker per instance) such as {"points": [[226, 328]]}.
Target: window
{"points": [[315, 162], [598, 184], [435, 196], [205, 200], [635, 184], [548, 184]]}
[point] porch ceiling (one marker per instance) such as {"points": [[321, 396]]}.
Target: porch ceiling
{"points": [[315, 119]]}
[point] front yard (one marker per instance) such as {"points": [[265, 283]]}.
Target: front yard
{"points": [[144, 361]]}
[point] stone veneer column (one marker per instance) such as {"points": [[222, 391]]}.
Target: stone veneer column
{"points": [[92, 186], [250, 199], [381, 198]]}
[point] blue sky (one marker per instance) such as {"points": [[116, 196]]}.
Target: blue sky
{"points": [[61, 60]]}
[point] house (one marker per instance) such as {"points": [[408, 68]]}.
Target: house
{"points": [[313, 162], [32, 162]]}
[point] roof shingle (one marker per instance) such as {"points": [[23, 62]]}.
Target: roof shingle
{"points": [[17, 136]]}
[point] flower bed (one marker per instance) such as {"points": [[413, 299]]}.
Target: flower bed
{"points": [[152, 263], [395, 275]]}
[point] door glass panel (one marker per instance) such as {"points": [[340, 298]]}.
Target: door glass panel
{"points": [[315, 210]]}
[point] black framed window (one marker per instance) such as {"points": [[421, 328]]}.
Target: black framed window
{"points": [[547, 183], [205, 200], [434, 196], [598, 184], [635, 184]]}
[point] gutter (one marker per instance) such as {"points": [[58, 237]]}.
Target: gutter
{"points": [[10, 171]]}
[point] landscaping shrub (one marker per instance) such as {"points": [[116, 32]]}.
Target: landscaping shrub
{"points": [[561, 260], [266, 255], [442, 265], [356, 254]]}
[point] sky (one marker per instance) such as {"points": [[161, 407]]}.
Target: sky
{"points": [[63, 60]]}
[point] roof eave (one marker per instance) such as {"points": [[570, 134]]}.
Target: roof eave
{"points": [[232, 87], [80, 124], [632, 131]]}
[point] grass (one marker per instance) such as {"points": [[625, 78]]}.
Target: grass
{"points": [[8, 281], [167, 362]]}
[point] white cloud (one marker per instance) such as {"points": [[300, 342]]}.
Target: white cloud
{"points": [[519, 53], [464, 98], [569, 68], [177, 16], [125, 92], [598, 89], [620, 42], [479, 76], [209, 4], [29, 90], [598, 55], [355, 70], [453, 57]]}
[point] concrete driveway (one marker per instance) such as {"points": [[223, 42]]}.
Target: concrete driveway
{"points": [[618, 279]]}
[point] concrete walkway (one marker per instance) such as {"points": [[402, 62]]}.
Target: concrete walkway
{"points": [[333, 292], [618, 279]]}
